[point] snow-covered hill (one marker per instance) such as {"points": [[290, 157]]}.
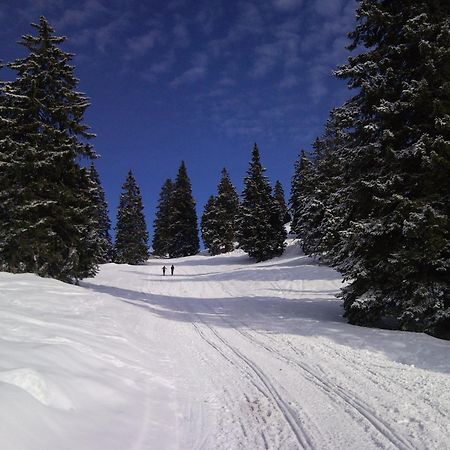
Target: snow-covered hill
{"points": [[224, 354]]}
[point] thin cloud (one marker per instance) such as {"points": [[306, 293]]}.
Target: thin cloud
{"points": [[328, 8], [181, 34], [289, 81], [195, 73], [287, 5], [80, 16], [139, 46]]}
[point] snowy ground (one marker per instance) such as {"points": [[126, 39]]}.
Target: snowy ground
{"points": [[224, 354]]}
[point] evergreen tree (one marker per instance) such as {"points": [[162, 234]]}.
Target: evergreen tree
{"points": [[101, 217], [44, 191], [161, 224], [261, 231], [300, 191], [278, 194], [210, 226], [395, 186], [227, 209], [183, 229], [219, 220], [131, 245]]}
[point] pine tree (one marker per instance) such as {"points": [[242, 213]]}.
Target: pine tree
{"points": [[396, 189], [43, 187], [101, 217], [161, 224], [278, 194], [183, 228], [210, 226], [261, 231], [131, 246]]}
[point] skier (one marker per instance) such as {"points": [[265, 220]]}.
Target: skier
{"points": [[164, 270], [172, 268]]}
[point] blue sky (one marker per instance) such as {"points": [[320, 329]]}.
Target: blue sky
{"points": [[198, 80]]}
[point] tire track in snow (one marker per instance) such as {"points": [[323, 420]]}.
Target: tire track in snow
{"points": [[333, 390], [298, 430], [247, 375]]}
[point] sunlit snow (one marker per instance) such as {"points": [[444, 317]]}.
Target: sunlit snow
{"points": [[224, 354]]}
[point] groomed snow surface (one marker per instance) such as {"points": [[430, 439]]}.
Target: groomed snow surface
{"points": [[226, 354]]}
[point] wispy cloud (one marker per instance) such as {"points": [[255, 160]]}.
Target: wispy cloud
{"points": [[75, 17], [159, 68], [289, 81], [181, 33], [328, 8], [139, 45], [196, 72], [287, 5], [266, 57]]}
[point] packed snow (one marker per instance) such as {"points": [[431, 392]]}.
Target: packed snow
{"points": [[225, 353]]}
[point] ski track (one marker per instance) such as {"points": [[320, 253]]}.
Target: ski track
{"points": [[249, 388]]}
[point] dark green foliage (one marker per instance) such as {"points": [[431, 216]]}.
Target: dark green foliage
{"points": [[383, 170], [278, 194], [161, 224], [210, 225], [300, 191], [101, 218], [183, 228], [228, 209], [131, 245], [261, 231], [44, 192], [219, 220]]}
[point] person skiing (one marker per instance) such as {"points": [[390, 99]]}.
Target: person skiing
{"points": [[172, 268], [164, 270]]}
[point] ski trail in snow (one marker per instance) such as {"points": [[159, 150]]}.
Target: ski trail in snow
{"points": [[260, 357]]}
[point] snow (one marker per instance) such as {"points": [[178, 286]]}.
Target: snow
{"points": [[225, 354]]}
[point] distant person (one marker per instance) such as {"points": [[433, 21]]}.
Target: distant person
{"points": [[164, 270], [172, 268]]}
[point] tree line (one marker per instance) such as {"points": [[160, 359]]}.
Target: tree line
{"points": [[256, 224], [372, 198]]}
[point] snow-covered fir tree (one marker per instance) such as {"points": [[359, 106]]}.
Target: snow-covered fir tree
{"points": [[261, 231], [300, 191], [131, 245], [183, 227], [227, 210], [43, 188], [101, 216], [209, 226], [161, 229], [318, 218], [396, 189], [219, 220], [278, 194]]}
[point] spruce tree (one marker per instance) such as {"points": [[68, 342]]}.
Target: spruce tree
{"points": [[300, 191], [261, 231], [227, 209], [101, 217], [183, 228], [396, 188], [45, 195], [278, 194], [210, 226], [219, 219], [131, 246], [161, 224]]}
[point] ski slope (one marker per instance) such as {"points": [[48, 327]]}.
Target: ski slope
{"points": [[226, 354]]}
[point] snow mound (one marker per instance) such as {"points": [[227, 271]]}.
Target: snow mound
{"points": [[34, 384]]}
